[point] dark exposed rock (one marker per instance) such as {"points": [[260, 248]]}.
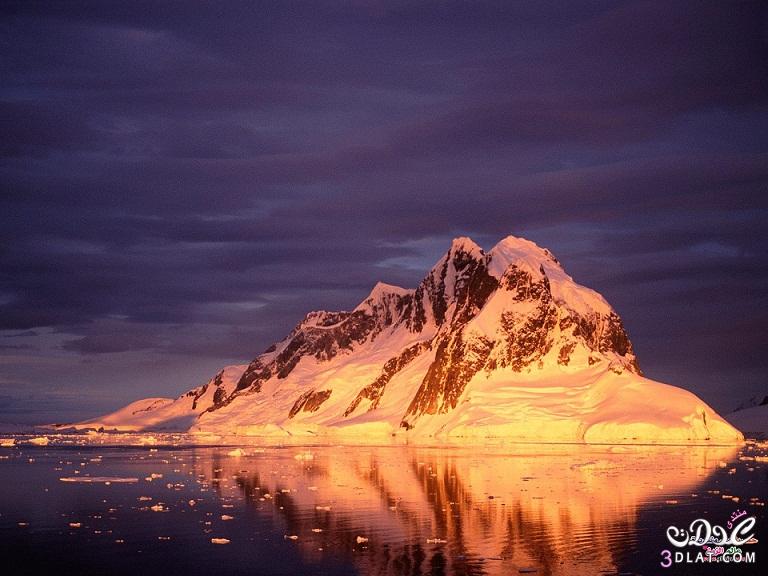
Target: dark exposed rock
{"points": [[564, 357], [375, 389], [457, 359], [309, 401], [325, 343], [253, 377], [472, 292], [197, 394], [456, 362], [603, 333], [528, 338], [321, 334], [219, 396]]}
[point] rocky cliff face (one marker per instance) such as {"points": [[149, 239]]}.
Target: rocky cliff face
{"points": [[494, 342]]}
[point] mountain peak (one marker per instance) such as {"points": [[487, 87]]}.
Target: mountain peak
{"points": [[384, 288], [465, 244], [522, 252], [380, 292]]}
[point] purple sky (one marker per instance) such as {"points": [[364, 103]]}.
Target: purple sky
{"points": [[182, 182]]}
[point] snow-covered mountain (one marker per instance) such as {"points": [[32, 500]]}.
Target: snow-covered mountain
{"points": [[501, 344]]}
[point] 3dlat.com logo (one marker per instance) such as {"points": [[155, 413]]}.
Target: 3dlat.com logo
{"points": [[715, 543]]}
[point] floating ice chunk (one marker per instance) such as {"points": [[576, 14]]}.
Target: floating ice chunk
{"points": [[237, 452], [40, 441], [436, 541], [291, 537], [158, 508], [304, 456], [227, 517], [220, 541], [361, 539], [7, 442], [317, 529], [99, 479], [75, 524]]}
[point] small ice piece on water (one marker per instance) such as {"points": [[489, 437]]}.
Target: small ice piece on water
{"points": [[220, 540], [361, 539], [317, 529], [7, 442], [291, 537], [304, 456], [158, 508], [99, 479], [40, 441], [326, 508], [237, 452], [227, 517], [191, 502], [75, 524], [436, 541], [312, 488]]}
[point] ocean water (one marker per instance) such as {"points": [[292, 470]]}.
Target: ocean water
{"points": [[176, 508]]}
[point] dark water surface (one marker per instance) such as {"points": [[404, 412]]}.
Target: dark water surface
{"points": [[337, 510]]}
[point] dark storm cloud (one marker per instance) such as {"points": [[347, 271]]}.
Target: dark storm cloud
{"points": [[185, 180]]}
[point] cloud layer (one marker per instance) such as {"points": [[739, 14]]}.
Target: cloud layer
{"points": [[183, 181]]}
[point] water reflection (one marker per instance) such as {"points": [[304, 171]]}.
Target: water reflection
{"points": [[403, 511]]}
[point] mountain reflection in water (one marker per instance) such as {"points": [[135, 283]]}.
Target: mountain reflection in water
{"points": [[558, 509]]}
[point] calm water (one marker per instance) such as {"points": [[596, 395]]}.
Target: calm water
{"points": [[559, 509]]}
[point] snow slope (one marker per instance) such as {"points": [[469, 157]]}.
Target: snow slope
{"points": [[155, 414], [502, 345]]}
